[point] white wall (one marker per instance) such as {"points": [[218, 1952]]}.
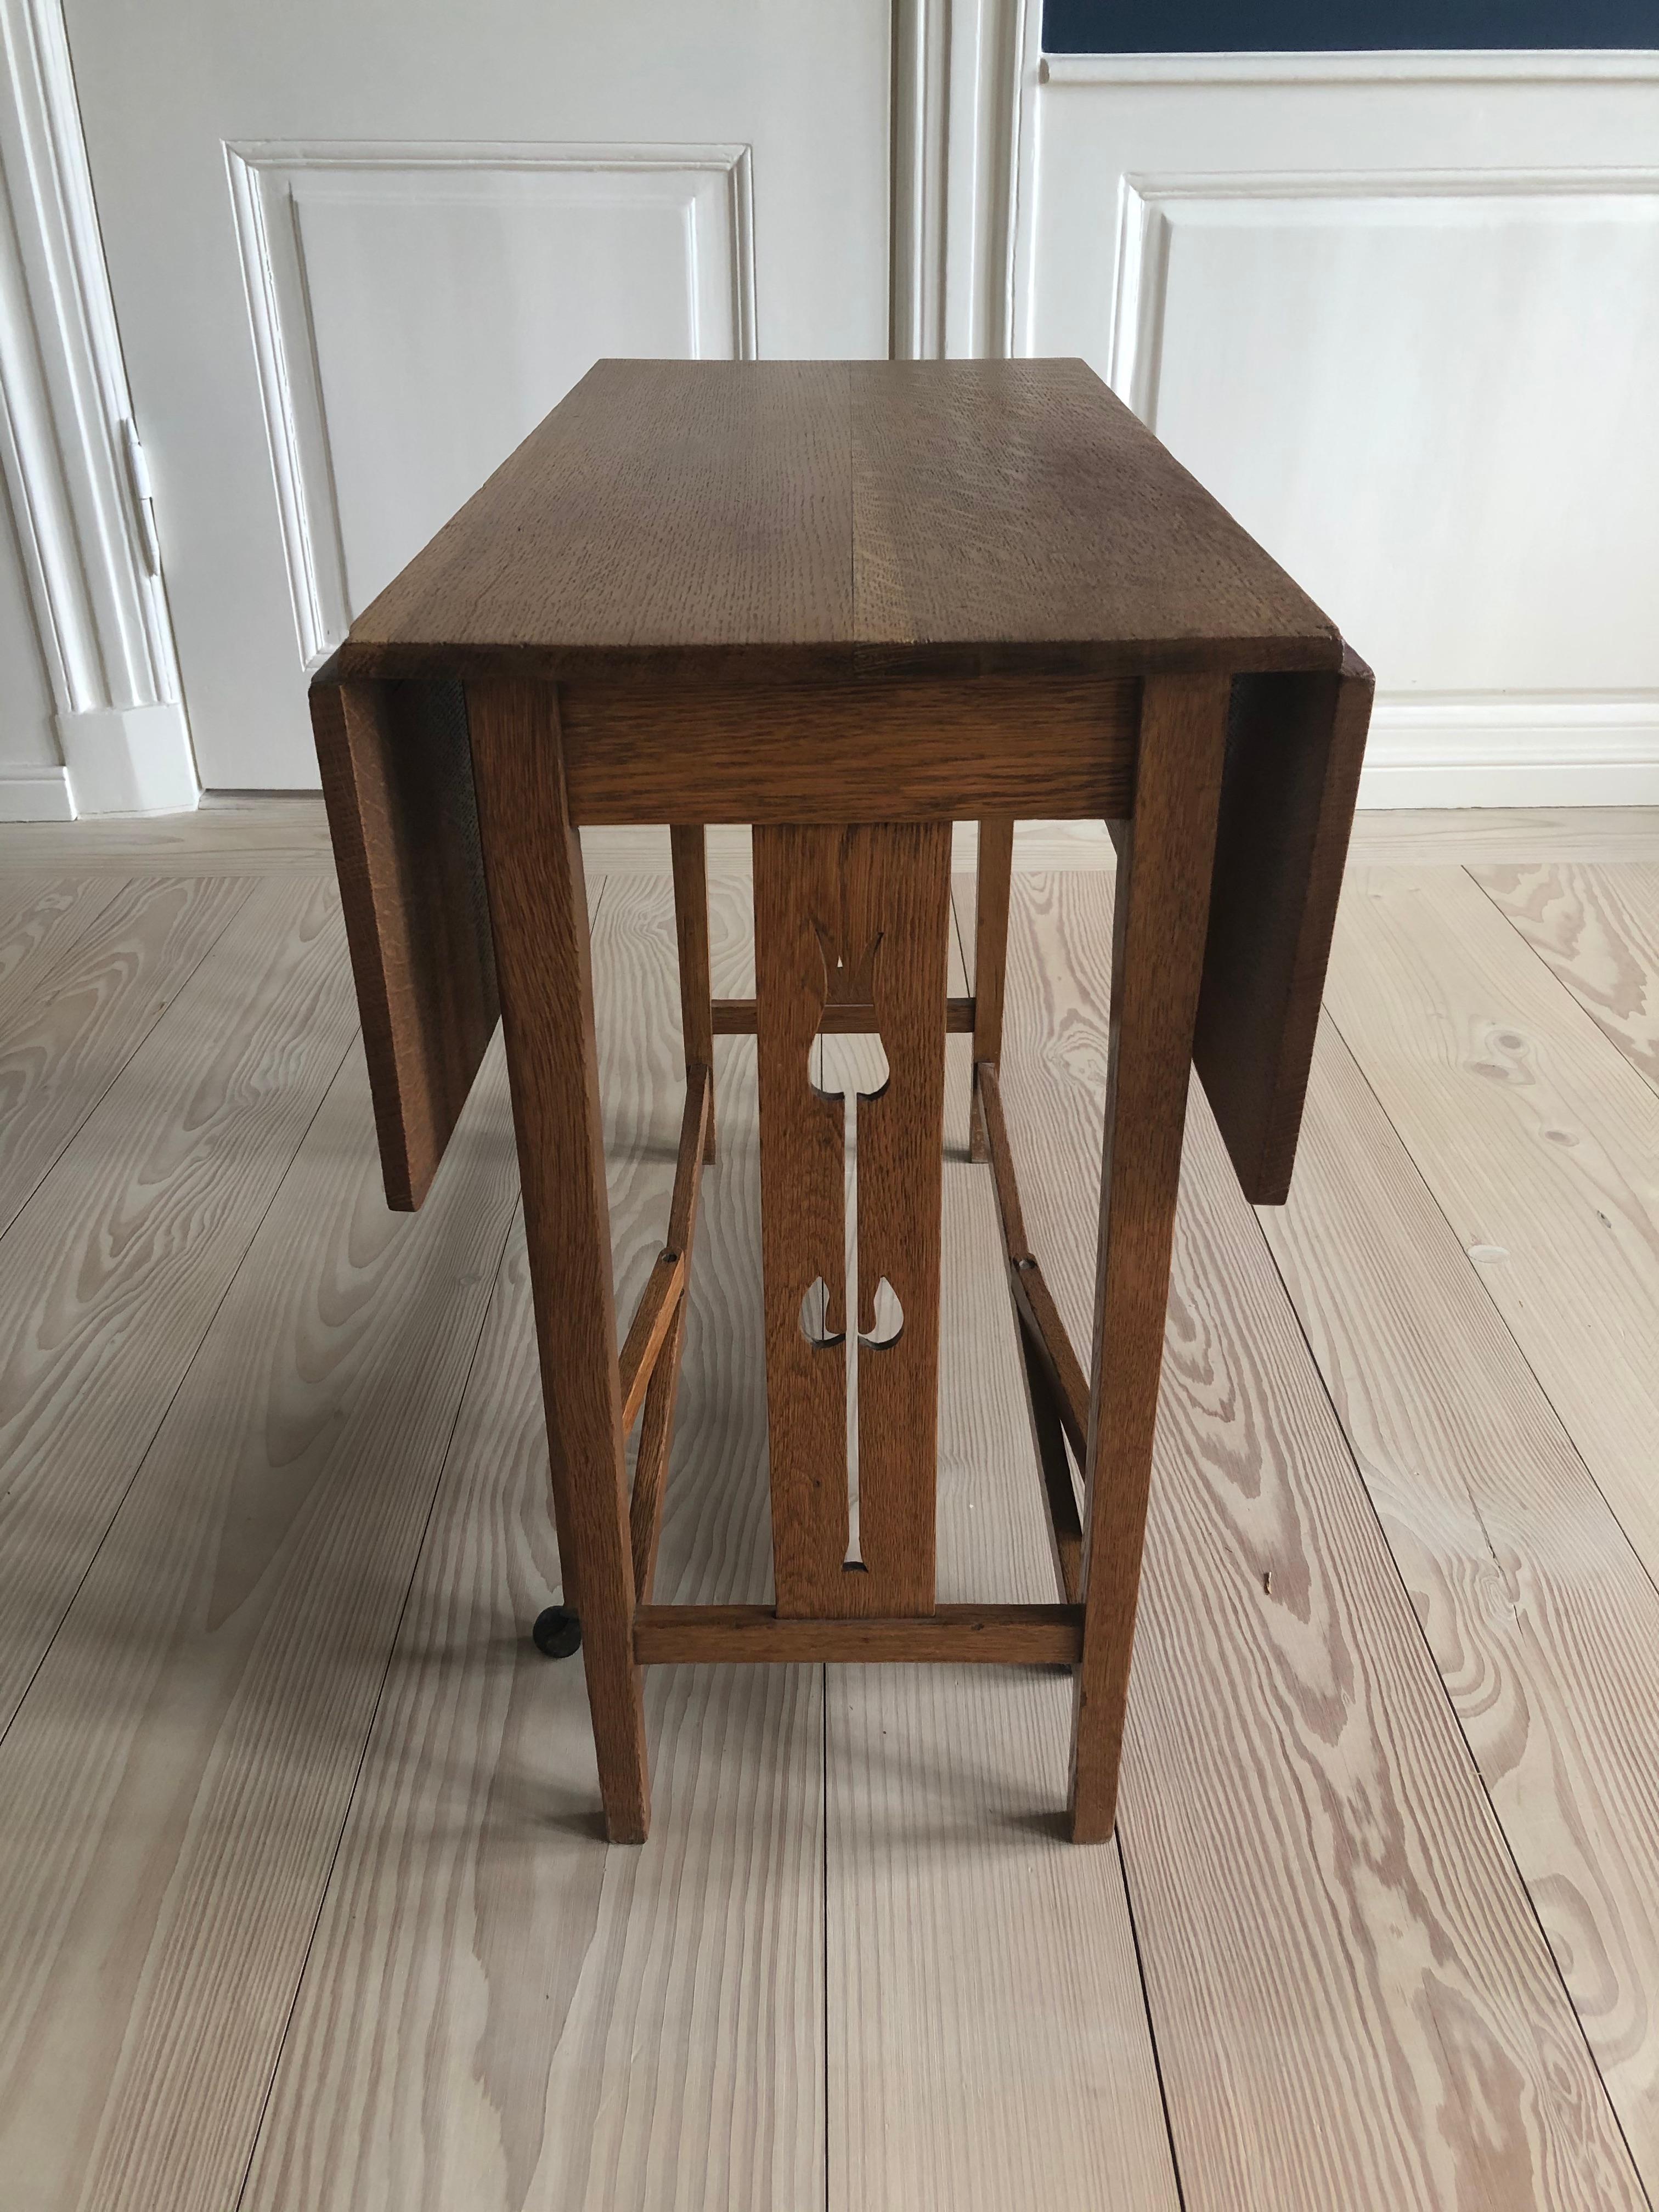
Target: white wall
{"points": [[1401, 312], [1401, 315]]}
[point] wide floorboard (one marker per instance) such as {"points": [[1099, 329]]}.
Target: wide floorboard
{"points": [[302, 1902]]}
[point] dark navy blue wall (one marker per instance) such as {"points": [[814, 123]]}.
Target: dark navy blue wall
{"points": [[1181, 27]]}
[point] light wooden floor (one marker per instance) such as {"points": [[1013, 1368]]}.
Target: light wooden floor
{"points": [[301, 1903]]}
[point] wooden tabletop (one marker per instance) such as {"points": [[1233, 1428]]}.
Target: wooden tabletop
{"points": [[785, 520]]}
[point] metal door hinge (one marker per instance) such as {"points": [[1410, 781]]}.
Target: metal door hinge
{"points": [[138, 488]]}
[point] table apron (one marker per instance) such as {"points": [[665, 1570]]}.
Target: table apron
{"points": [[1042, 747]]}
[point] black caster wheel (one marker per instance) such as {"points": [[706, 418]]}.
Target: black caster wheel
{"points": [[557, 1632]]}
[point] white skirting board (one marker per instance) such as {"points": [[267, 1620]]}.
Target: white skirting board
{"points": [[129, 760], [117, 760], [35, 794], [1518, 751]]}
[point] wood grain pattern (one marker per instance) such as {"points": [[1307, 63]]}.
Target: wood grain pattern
{"points": [[660, 509], [496, 2012], [1056, 1387], [1492, 836], [994, 870], [1543, 1624], [647, 1497], [1045, 1332], [1157, 960], [803, 1216], [1295, 746], [653, 1317], [397, 779], [1352, 2002], [988, 2045], [39, 918], [1033, 1300], [573, 2026], [861, 916], [737, 1018], [904, 913], [227, 835], [111, 1274], [849, 751], [264, 834], [172, 1788], [1598, 929], [949, 1635], [688, 859], [1054, 1469], [1020, 502], [538, 910], [1063, 1371], [63, 1046], [1539, 1140], [778, 519], [657, 1436]]}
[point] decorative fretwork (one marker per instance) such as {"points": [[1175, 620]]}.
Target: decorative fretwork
{"points": [[850, 932]]}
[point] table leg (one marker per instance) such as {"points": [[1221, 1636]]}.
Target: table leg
{"points": [[996, 862], [539, 918], [1159, 918], [687, 847]]}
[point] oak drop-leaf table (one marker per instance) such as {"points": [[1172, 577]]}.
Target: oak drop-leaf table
{"points": [[848, 604]]}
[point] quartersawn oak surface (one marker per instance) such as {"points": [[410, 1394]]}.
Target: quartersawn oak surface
{"points": [[298, 1890], [807, 518]]}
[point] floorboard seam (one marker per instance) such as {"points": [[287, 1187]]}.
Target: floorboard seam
{"points": [[1146, 2003]]}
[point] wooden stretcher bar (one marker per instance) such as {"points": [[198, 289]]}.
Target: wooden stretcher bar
{"points": [[654, 1317], [650, 1359], [1056, 1386], [993, 1635], [737, 1018]]}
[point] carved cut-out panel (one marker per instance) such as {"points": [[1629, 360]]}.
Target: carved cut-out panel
{"points": [[851, 917]]}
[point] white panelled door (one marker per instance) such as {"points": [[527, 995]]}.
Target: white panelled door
{"points": [[358, 250]]}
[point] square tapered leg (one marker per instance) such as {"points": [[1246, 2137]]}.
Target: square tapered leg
{"points": [[538, 915], [1158, 954]]}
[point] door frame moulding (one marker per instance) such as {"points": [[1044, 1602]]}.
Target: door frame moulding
{"points": [[71, 459], [963, 71], [259, 171]]}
